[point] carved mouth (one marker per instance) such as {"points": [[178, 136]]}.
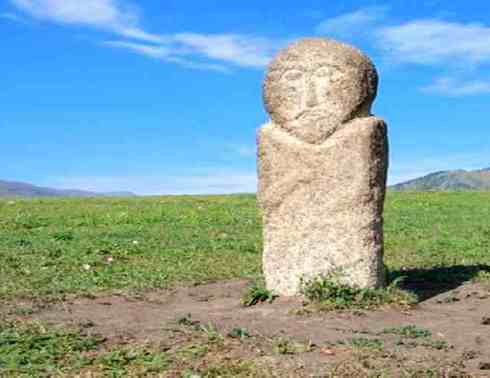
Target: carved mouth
{"points": [[312, 115]]}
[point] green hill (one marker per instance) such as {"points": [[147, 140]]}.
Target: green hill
{"points": [[22, 189], [461, 180]]}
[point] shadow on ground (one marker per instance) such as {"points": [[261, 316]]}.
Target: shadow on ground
{"points": [[428, 283]]}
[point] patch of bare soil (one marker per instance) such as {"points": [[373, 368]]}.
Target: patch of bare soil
{"points": [[446, 335]]}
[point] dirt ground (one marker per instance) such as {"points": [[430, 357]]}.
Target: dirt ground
{"points": [[283, 343]]}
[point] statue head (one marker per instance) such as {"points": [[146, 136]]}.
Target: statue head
{"points": [[315, 85]]}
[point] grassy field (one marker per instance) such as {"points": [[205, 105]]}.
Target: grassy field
{"points": [[52, 247]]}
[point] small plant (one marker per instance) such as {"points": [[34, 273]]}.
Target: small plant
{"points": [[132, 362], [229, 369], [239, 333], [193, 351], [23, 243], [470, 354], [211, 332], [186, 320], [23, 311], [407, 343], [63, 236], [287, 346], [436, 344], [409, 331], [331, 294], [364, 343], [256, 293]]}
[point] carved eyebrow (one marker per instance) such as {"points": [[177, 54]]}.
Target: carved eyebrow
{"points": [[290, 66], [292, 70], [326, 65]]}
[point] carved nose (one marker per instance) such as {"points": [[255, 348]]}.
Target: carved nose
{"points": [[311, 97]]}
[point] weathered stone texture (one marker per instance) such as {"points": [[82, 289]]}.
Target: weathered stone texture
{"points": [[322, 164]]}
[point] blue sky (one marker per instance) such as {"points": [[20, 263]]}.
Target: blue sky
{"points": [[165, 96]]}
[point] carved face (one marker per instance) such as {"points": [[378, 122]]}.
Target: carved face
{"points": [[315, 86], [307, 94]]}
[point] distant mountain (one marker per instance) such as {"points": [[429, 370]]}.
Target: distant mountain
{"points": [[448, 180], [22, 189]]}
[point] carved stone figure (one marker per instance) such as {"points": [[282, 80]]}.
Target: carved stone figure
{"points": [[322, 164]]}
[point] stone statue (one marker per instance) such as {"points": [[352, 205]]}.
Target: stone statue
{"points": [[322, 162]]}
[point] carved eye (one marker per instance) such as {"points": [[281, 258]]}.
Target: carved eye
{"points": [[292, 75], [333, 74]]}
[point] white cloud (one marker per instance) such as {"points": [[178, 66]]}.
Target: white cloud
{"points": [[242, 50], [448, 86], [102, 13], [148, 50], [212, 182], [135, 33], [431, 41], [111, 15], [351, 24], [166, 54], [186, 49], [198, 65]]}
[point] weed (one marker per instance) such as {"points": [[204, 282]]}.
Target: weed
{"points": [[364, 343], [193, 351], [229, 369], [131, 362], [63, 236], [186, 320], [256, 293], [409, 331], [432, 344], [23, 243], [470, 354], [239, 333], [211, 332], [33, 349], [330, 294], [23, 311], [288, 346], [436, 344]]}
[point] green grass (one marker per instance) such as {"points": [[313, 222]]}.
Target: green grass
{"points": [[53, 247], [327, 293], [33, 350], [256, 293], [412, 336], [427, 230], [410, 331], [283, 345], [364, 343], [239, 333]]}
